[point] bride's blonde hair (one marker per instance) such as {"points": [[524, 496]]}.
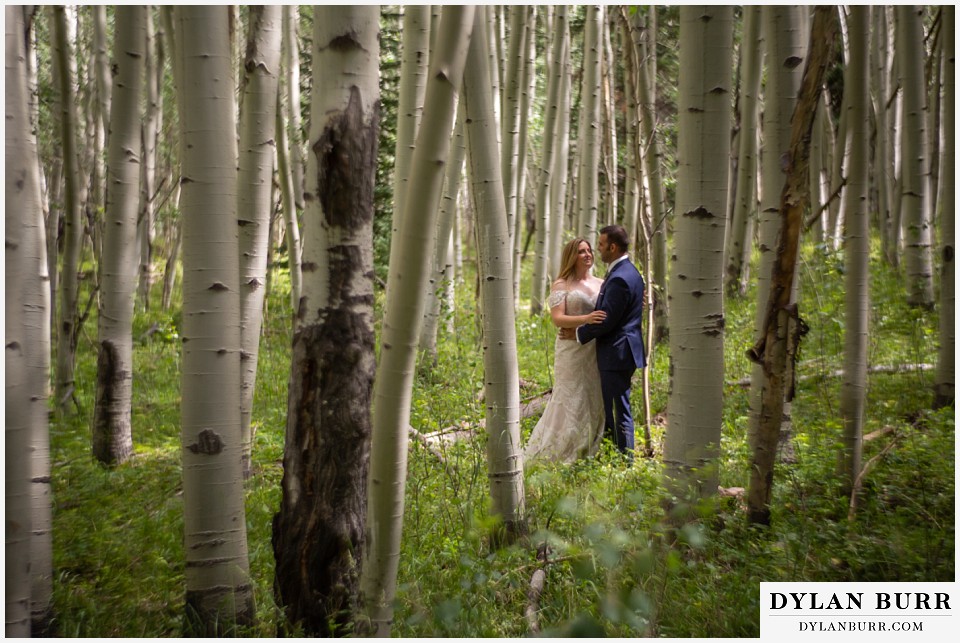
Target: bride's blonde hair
{"points": [[568, 259]]}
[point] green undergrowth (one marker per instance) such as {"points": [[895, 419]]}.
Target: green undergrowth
{"points": [[614, 567]]}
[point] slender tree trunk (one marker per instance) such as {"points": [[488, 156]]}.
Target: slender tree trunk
{"points": [[643, 35], [695, 405], [112, 430], [442, 274], [856, 248], [745, 204], [785, 50], [413, 83], [528, 85], [170, 270], [501, 374], [510, 124], [610, 163], [318, 533], [589, 136], [291, 65], [28, 574], [632, 157], [219, 593], [558, 186], [64, 63], [258, 120], [916, 218], [148, 181], [407, 281], [944, 387], [547, 163], [772, 347], [289, 206]]}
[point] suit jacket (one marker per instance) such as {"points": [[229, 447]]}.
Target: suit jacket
{"points": [[619, 337]]}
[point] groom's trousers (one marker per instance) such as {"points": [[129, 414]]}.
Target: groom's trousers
{"points": [[618, 418]]}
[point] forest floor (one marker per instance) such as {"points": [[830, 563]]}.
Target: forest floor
{"points": [[613, 567]]}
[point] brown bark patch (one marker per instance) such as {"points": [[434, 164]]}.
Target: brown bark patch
{"points": [[346, 154], [208, 443]]}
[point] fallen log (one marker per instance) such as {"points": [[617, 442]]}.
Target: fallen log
{"points": [[537, 584], [873, 370]]}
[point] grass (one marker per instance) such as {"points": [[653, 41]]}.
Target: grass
{"points": [[616, 569]]}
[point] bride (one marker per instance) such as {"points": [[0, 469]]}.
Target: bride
{"points": [[572, 424]]}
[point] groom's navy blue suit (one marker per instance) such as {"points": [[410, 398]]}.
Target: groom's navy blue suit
{"points": [[619, 347]]}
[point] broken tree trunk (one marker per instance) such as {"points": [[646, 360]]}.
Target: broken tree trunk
{"points": [[772, 350]]}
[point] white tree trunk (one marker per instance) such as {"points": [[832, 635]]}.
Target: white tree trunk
{"points": [[319, 530], [258, 121], [739, 243], [289, 206], [407, 281], [148, 167], [22, 205], [916, 218], [443, 270], [589, 137], [291, 65], [785, 52], [560, 170], [545, 217], [946, 363], [219, 594], [73, 204], [528, 86], [853, 391], [112, 430], [501, 374], [695, 405], [413, 83], [510, 123]]}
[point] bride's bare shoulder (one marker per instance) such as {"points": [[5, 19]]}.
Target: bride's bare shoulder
{"points": [[560, 284]]}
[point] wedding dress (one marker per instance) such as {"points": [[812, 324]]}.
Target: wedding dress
{"points": [[571, 426]]}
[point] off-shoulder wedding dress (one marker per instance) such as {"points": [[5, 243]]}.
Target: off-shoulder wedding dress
{"points": [[571, 426]]}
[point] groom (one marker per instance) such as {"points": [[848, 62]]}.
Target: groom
{"points": [[619, 338]]}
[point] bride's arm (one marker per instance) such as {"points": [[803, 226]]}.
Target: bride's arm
{"points": [[558, 308]]}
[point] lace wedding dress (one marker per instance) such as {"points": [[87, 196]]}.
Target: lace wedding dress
{"points": [[571, 426]]}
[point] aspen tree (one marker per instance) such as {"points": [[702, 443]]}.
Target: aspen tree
{"points": [[528, 86], [916, 219], [64, 65], [772, 346], [407, 281], [112, 430], [219, 593], [148, 166], [501, 374], [785, 51], [856, 248], [739, 242], [254, 197], [547, 163], [560, 171], [319, 531], [413, 82], [442, 273], [589, 136], [21, 205], [510, 122], [946, 365], [291, 66], [695, 406]]}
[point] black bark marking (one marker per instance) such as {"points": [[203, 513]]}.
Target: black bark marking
{"points": [[947, 254], [346, 164], [344, 42], [208, 443], [308, 266], [218, 286], [700, 213], [792, 62]]}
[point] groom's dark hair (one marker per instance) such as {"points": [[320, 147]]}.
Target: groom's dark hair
{"points": [[618, 235]]}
